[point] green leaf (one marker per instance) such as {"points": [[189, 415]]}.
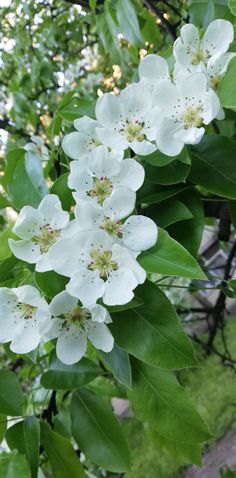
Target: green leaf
{"points": [[181, 452], [98, 433], [158, 337], [212, 172], [159, 159], [226, 89], [135, 302], [64, 461], [3, 426], [232, 207], [77, 107], [173, 173], [5, 251], [189, 233], [50, 282], [22, 188], [31, 432], [11, 397], [33, 167], [60, 376], [4, 202], [158, 399], [232, 6], [119, 363], [128, 22], [168, 257], [168, 212], [152, 193], [13, 465], [60, 187]]}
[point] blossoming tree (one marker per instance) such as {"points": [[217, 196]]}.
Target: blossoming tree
{"points": [[108, 203]]}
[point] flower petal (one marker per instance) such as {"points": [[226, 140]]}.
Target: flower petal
{"points": [[126, 259], [25, 250], [52, 213], [194, 86], [218, 36], [139, 233], [131, 174], [76, 145], [108, 110], [26, 337], [88, 215], [101, 163], [120, 203], [119, 287], [217, 65], [28, 223], [165, 138], [86, 285], [62, 303], [70, 349], [135, 100], [153, 67], [112, 139], [100, 336], [142, 147], [100, 314]]}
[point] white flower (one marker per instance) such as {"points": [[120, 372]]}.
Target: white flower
{"points": [[138, 233], [189, 50], [185, 108], [153, 68], [97, 268], [104, 180], [80, 143], [39, 229], [217, 67], [23, 316], [37, 147], [128, 120], [73, 324]]}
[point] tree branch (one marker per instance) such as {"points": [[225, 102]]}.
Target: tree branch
{"points": [[170, 29]]}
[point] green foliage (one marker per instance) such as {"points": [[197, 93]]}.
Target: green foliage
{"points": [[118, 362], [226, 90], [11, 396], [13, 465]]}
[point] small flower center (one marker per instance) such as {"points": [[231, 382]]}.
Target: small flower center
{"points": [[192, 117], [112, 227], [215, 81], [26, 310], [198, 56], [102, 188], [133, 130], [94, 142], [103, 262], [75, 319], [38, 150], [47, 237]]}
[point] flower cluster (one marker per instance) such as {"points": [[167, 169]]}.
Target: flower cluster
{"points": [[98, 248]]}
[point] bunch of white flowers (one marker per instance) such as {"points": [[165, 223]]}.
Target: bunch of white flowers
{"points": [[98, 249]]}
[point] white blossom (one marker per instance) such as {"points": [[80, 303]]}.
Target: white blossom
{"points": [[185, 109], [38, 230], [106, 181], [128, 120], [138, 233], [72, 324], [24, 315], [97, 267], [37, 147]]}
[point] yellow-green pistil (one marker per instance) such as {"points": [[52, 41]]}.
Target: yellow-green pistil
{"points": [[192, 117], [199, 55], [102, 188], [27, 310], [112, 227], [46, 238], [133, 130], [75, 319], [102, 261]]}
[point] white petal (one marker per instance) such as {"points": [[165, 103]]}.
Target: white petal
{"points": [[28, 223], [166, 97], [52, 213], [26, 337], [7, 296], [135, 100], [153, 67], [70, 349], [194, 86], [125, 259], [86, 126], [189, 35], [100, 314], [119, 287], [139, 233], [217, 65], [131, 174], [212, 106], [101, 163], [218, 36], [120, 203], [100, 336], [75, 145], [86, 285], [142, 147], [112, 139], [25, 250], [43, 263], [80, 178], [191, 135], [165, 138], [88, 215], [186, 44], [7, 325], [108, 110], [62, 253], [62, 303], [31, 295]]}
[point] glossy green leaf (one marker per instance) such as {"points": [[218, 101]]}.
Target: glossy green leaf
{"points": [[13, 465], [5, 251], [119, 363], [181, 452], [173, 173], [11, 397], [33, 167], [50, 282], [4, 202], [168, 212], [189, 233], [159, 159], [158, 399], [128, 22], [168, 257], [77, 107], [22, 188], [60, 376], [3, 426], [232, 6], [152, 193], [31, 432], [213, 165], [135, 302], [15, 437], [61, 454], [60, 187], [226, 89], [98, 433], [157, 337]]}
